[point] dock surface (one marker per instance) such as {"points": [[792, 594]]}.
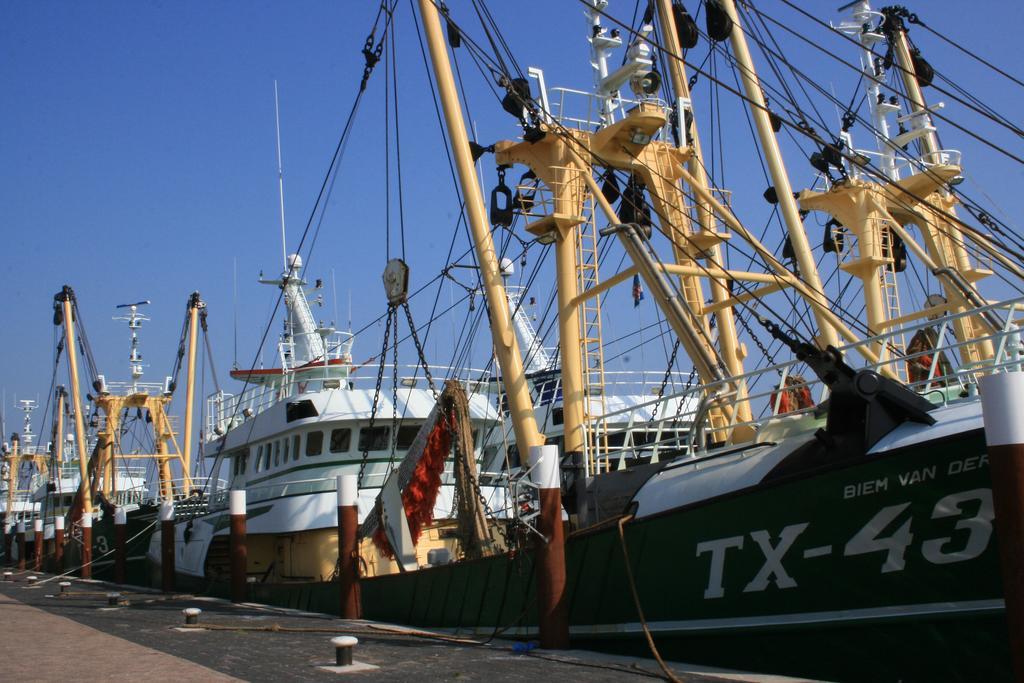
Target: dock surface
{"points": [[49, 636]]}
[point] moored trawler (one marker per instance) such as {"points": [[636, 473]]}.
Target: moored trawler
{"points": [[293, 430], [785, 511], [836, 499]]}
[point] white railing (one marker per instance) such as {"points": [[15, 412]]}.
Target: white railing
{"points": [[226, 411], [760, 389], [581, 110]]}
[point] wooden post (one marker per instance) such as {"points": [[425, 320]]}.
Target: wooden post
{"points": [[348, 547], [37, 543], [86, 570], [552, 611], [1002, 398], [21, 545], [239, 551], [58, 544], [167, 546], [120, 544]]}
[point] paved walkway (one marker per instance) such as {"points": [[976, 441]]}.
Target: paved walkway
{"points": [[144, 641], [82, 652]]}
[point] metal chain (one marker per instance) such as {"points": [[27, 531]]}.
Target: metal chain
{"points": [[419, 348], [394, 400], [689, 383], [376, 391], [760, 345], [664, 381]]}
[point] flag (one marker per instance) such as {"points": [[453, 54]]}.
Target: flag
{"points": [[638, 291]]}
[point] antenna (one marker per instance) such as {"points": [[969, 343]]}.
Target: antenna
{"points": [[280, 177], [334, 297], [135, 320], [235, 277]]}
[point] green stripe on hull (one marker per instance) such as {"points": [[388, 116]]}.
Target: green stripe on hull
{"points": [[911, 527]]}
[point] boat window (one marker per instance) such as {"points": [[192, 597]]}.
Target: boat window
{"points": [[277, 452], [341, 440], [406, 435], [314, 443], [259, 459], [298, 410], [376, 439], [295, 447], [284, 458]]}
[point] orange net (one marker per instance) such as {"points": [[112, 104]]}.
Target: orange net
{"points": [[420, 494]]}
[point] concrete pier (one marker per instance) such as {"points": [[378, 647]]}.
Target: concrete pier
{"points": [[144, 638]]}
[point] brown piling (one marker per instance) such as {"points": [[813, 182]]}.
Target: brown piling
{"points": [[120, 545], [21, 545], [167, 546], [348, 548], [552, 611], [1002, 400], [239, 550], [58, 544], [37, 543], [86, 570]]}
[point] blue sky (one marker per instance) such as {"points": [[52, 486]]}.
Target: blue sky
{"points": [[138, 154]]}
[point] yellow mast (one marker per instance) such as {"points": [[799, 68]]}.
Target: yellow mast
{"points": [[773, 157], [59, 431], [194, 304], [732, 352], [506, 347], [65, 298], [943, 237]]}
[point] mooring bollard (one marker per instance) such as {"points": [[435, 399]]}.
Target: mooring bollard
{"points": [[31, 579], [120, 544], [551, 608], [348, 526], [113, 599], [191, 615], [64, 586], [343, 647], [239, 551], [8, 576], [1001, 396], [167, 546], [58, 544], [37, 542], [21, 545], [86, 571]]}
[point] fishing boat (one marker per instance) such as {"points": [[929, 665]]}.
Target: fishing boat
{"points": [[122, 462], [22, 461], [823, 499]]}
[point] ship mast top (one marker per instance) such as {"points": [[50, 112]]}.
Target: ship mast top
{"points": [[867, 27], [134, 319], [26, 406]]}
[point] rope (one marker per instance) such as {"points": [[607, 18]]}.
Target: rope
{"points": [[636, 602]]}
